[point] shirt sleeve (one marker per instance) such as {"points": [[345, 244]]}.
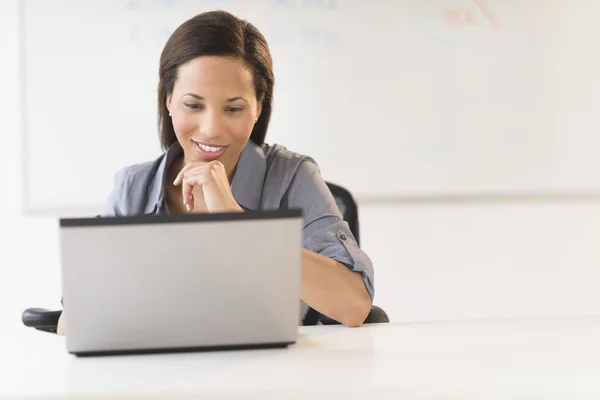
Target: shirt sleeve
{"points": [[114, 203], [325, 231]]}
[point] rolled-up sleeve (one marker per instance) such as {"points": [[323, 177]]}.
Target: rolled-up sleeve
{"points": [[325, 231]]}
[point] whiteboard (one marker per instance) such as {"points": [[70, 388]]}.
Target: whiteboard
{"points": [[393, 98]]}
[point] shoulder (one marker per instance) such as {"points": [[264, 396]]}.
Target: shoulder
{"points": [[140, 172], [131, 187], [296, 175], [285, 172], [283, 154], [288, 164]]}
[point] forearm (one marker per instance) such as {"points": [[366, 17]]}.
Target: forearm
{"points": [[334, 290]]}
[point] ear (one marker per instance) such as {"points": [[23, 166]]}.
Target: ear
{"points": [[168, 102], [258, 109]]}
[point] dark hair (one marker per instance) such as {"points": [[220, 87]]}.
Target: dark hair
{"points": [[216, 33]]}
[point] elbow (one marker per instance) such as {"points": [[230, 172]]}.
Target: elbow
{"points": [[356, 315], [60, 328]]}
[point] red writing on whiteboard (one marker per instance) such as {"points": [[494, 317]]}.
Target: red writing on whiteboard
{"points": [[460, 17]]}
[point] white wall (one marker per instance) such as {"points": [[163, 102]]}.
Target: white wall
{"points": [[441, 114], [446, 261], [433, 261], [29, 273]]}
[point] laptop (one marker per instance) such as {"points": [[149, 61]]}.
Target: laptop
{"points": [[166, 283]]}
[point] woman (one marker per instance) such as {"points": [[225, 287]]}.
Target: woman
{"points": [[214, 105]]}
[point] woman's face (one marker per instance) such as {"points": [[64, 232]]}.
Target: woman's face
{"points": [[213, 107]]}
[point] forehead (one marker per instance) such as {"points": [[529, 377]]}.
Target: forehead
{"points": [[212, 73]]}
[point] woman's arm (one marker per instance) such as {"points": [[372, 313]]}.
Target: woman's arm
{"points": [[334, 290], [337, 276]]}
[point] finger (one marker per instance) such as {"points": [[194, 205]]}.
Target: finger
{"points": [[189, 204], [182, 173], [187, 187], [178, 178]]}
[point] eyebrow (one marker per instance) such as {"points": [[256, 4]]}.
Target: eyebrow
{"points": [[229, 100], [194, 96]]}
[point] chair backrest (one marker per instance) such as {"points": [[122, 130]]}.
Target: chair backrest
{"points": [[347, 206]]}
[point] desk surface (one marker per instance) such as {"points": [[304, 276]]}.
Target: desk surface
{"points": [[538, 358]]}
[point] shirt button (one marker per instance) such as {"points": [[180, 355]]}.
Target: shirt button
{"points": [[343, 237]]}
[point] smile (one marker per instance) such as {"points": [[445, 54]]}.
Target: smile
{"points": [[208, 152], [211, 149]]}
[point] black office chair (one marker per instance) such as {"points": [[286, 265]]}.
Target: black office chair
{"points": [[47, 321]]}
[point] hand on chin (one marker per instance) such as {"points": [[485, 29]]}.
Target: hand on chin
{"points": [[205, 188]]}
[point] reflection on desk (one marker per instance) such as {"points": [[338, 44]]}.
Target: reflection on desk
{"points": [[535, 358]]}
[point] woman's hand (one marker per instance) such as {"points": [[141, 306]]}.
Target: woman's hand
{"points": [[205, 187]]}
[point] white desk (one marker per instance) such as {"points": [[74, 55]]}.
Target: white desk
{"points": [[545, 359]]}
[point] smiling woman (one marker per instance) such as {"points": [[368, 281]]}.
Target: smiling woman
{"points": [[213, 108], [214, 105]]}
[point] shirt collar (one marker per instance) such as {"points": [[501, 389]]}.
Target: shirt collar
{"points": [[247, 185]]}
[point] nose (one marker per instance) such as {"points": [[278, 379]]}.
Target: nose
{"points": [[211, 124]]}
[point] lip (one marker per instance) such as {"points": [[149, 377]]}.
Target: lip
{"points": [[209, 155]]}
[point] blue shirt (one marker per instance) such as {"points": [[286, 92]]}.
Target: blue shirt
{"points": [[266, 178]]}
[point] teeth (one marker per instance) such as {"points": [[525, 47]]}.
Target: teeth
{"points": [[210, 148]]}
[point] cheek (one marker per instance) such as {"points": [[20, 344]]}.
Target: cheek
{"points": [[242, 129], [184, 126]]}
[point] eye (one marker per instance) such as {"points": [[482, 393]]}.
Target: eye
{"points": [[194, 105], [234, 109]]}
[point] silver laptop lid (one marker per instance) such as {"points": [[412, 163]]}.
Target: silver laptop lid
{"points": [[148, 283]]}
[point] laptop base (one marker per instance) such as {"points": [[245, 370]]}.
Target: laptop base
{"points": [[182, 349]]}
